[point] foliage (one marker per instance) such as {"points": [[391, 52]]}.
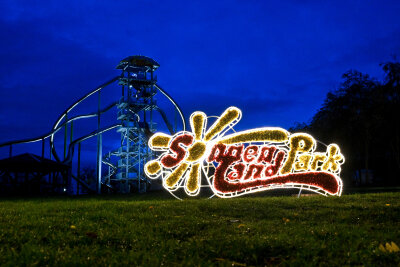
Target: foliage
{"points": [[155, 231], [362, 116]]}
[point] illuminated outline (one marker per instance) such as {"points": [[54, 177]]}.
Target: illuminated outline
{"points": [[188, 154]]}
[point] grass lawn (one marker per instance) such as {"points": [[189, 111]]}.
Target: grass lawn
{"points": [[154, 230]]}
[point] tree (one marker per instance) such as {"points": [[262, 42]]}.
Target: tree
{"points": [[362, 117], [391, 104]]}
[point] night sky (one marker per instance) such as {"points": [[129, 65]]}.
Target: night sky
{"points": [[275, 61]]}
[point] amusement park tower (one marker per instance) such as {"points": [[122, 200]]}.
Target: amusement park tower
{"points": [[125, 162], [135, 113]]}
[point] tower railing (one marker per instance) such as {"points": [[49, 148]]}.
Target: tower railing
{"points": [[135, 124]]}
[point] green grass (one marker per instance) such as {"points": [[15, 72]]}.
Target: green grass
{"points": [[155, 230]]}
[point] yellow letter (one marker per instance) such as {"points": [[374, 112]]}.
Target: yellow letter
{"points": [[299, 143], [318, 157], [335, 158]]}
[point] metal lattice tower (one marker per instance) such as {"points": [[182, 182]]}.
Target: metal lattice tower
{"points": [[135, 112], [126, 161]]}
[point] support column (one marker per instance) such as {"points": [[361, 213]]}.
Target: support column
{"points": [[72, 132], [43, 141], [126, 185], [65, 135], [99, 148], [79, 168]]}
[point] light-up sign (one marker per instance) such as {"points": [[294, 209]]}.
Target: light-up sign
{"points": [[243, 162]]}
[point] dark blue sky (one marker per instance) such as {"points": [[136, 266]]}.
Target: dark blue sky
{"points": [[276, 61]]}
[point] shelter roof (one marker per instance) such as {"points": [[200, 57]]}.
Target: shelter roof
{"points": [[31, 163], [138, 61]]}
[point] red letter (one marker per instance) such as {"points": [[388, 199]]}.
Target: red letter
{"points": [[254, 171], [170, 161], [250, 153], [273, 169], [237, 173], [267, 152], [216, 151]]}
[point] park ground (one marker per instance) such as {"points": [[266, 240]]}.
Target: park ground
{"points": [[156, 229]]}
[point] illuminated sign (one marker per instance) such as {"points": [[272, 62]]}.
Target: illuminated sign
{"points": [[237, 163]]}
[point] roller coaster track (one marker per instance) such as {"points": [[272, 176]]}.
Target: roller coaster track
{"points": [[63, 120]]}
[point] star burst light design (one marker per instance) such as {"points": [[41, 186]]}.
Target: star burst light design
{"points": [[183, 155]]}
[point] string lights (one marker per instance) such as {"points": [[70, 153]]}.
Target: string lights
{"points": [[242, 162]]}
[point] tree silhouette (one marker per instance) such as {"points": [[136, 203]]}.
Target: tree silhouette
{"points": [[391, 108], [362, 117]]}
